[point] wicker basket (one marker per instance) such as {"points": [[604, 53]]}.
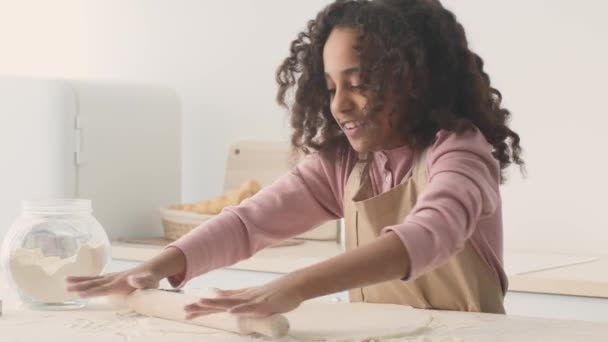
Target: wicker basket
{"points": [[177, 223]]}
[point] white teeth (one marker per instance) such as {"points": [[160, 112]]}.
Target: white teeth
{"points": [[352, 124]]}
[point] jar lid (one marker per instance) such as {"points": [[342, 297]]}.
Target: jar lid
{"points": [[57, 205]]}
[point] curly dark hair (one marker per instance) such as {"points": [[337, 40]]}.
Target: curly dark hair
{"points": [[397, 40]]}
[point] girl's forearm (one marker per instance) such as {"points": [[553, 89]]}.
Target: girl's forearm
{"points": [[384, 259], [169, 262]]}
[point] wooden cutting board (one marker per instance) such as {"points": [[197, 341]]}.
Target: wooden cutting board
{"points": [[266, 161]]}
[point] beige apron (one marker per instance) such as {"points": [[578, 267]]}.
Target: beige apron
{"points": [[464, 282]]}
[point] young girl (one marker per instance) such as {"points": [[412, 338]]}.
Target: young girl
{"points": [[405, 138]]}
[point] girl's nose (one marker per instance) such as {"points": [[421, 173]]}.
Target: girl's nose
{"points": [[341, 102]]}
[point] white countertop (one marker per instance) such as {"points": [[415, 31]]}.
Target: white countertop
{"points": [[99, 322]]}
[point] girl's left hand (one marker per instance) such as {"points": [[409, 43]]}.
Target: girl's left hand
{"points": [[279, 296]]}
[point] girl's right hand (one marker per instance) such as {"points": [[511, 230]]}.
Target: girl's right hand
{"points": [[121, 283]]}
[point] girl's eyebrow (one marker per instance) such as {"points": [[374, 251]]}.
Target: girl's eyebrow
{"points": [[348, 71]]}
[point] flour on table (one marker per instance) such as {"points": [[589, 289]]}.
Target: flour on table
{"points": [[43, 278]]}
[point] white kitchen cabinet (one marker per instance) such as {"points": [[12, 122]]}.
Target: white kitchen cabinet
{"points": [[516, 303], [556, 306], [117, 144], [540, 293], [222, 279]]}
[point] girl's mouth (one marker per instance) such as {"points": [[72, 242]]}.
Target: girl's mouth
{"points": [[354, 128]]}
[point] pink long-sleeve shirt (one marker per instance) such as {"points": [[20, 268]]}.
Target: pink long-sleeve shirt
{"points": [[460, 203]]}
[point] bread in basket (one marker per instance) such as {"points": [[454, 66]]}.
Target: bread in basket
{"points": [[179, 219]]}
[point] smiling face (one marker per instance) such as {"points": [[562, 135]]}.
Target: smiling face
{"points": [[348, 102]]}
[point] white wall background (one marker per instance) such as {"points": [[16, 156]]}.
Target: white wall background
{"points": [[548, 58]]}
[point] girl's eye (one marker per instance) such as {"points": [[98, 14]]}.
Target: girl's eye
{"points": [[354, 87]]}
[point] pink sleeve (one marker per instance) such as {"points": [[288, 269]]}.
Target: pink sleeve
{"points": [[462, 187], [305, 197]]}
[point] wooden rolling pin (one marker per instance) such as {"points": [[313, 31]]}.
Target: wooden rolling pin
{"points": [[170, 305]]}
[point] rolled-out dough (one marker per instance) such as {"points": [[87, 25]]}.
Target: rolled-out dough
{"points": [[321, 321], [325, 321]]}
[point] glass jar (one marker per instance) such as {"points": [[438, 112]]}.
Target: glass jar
{"points": [[53, 239]]}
